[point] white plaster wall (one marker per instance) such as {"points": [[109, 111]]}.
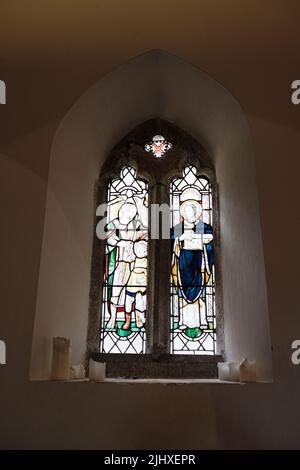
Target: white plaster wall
{"points": [[155, 84]]}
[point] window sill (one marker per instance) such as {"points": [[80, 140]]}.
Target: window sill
{"points": [[159, 367], [127, 381]]}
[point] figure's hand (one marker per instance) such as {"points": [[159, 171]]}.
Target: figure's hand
{"points": [[144, 236], [188, 235]]}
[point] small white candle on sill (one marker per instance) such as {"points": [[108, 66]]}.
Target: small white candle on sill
{"points": [[61, 355], [247, 371], [228, 371], [97, 371]]}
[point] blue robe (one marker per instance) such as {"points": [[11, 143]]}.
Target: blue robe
{"points": [[190, 262]]}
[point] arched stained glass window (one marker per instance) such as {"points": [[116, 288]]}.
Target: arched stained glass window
{"points": [[154, 298], [125, 275], [192, 270]]}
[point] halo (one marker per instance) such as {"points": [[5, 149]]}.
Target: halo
{"points": [[196, 209]]}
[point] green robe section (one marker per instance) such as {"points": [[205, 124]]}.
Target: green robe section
{"points": [[111, 263]]}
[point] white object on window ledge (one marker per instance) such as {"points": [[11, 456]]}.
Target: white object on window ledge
{"points": [[247, 371], [97, 371], [77, 371], [61, 354], [228, 371]]}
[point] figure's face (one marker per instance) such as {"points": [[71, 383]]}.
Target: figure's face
{"points": [[140, 249], [127, 213], [191, 211]]}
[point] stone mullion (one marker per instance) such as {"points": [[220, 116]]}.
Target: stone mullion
{"points": [[161, 285]]}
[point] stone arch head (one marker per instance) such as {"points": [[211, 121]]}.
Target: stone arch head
{"points": [[138, 144]]}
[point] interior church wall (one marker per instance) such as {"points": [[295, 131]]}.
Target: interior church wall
{"points": [[45, 414]]}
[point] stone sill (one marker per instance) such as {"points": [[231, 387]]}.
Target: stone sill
{"points": [[125, 381], [161, 367]]}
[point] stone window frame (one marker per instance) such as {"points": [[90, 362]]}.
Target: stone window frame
{"points": [[157, 362]]}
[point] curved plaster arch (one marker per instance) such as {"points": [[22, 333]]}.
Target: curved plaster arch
{"points": [[155, 84]]}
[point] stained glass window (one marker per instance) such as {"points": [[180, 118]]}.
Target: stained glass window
{"points": [[125, 279], [159, 146], [192, 270]]}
